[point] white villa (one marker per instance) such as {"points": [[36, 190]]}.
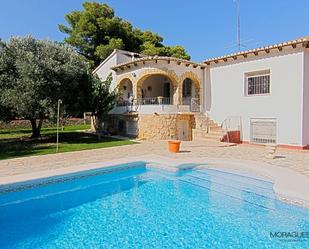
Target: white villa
{"points": [[254, 96]]}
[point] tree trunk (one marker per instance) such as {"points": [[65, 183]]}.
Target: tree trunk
{"points": [[95, 125], [36, 128]]}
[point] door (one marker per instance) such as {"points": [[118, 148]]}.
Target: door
{"points": [[132, 128], [186, 91], [166, 90], [182, 130]]}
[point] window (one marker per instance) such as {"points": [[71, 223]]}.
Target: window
{"points": [[186, 88], [258, 83]]}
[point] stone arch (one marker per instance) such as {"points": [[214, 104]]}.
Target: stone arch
{"points": [[170, 74], [125, 87], [195, 81], [124, 77]]}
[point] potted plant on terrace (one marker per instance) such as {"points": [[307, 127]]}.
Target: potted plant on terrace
{"points": [[174, 145]]}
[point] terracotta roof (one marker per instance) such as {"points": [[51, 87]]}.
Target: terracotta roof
{"points": [[156, 58], [304, 41]]}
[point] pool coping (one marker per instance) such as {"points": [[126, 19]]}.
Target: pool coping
{"points": [[289, 186]]}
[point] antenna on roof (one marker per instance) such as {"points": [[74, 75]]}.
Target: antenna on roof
{"points": [[239, 42], [238, 24]]}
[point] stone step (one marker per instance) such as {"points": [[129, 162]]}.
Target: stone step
{"points": [[215, 142], [205, 123], [214, 135], [206, 128], [211, 139], [218, 133], [198, 134], [215, 128]]}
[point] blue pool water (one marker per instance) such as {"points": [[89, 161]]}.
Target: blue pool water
{"points": [[148, 208]]}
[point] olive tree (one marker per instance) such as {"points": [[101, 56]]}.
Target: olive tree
{"points": [[34, 74], [103, 99]]}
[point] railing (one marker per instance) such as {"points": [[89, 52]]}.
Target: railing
{"points": [[232, 123], [195, 105], [155, 101], [123, 103], [166, 103], [186, 100], [192, 102], [146, 101], [128, 105], [135, 104]]}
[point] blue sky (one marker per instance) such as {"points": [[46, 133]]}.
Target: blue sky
{"points": [[206, 28]]}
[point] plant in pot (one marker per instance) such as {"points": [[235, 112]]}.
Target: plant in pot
{"points": [[174, 145]]}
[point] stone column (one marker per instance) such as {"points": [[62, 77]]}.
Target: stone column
{"points": [[137, 93], [180, 93], [176, 95]]}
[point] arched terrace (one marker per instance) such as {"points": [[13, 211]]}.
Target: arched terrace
{"points": [[190, 89], [156, 88], [125, 88]]}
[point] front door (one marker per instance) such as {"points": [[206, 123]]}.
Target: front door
{"points": [[182, 130]]}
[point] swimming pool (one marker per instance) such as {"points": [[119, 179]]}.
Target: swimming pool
{"points": [[150, 208]]}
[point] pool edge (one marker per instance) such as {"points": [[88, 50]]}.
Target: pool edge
{"points": [[296, 193]]}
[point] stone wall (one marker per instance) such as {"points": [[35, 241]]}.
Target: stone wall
{"points": [[157, 127], [163, 126], [150, 126]]}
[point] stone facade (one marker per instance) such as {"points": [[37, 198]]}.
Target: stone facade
{"points": [[151, 126], [164, 126], [157, 127]]}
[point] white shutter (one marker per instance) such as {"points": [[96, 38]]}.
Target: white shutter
{"points": [[263, 130]]}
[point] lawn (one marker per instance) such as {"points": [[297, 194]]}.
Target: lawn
{"points": [[16, 142]]}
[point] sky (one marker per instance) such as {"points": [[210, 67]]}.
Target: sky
{"points": [[206, 28]]}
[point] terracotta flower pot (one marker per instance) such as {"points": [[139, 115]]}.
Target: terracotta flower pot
{"points": [[174, 146], [234, 137]]}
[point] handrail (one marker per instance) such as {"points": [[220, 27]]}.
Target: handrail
{"points": [[195, 105], [232, 123]]}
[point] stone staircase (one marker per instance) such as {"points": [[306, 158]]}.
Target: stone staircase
{"points": [[207, 129]]}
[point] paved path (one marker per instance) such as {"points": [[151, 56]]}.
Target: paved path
{"points": [[292, 159]]}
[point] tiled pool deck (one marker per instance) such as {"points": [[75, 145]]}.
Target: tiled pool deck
{"points": [[293, 159], [289, 166]]}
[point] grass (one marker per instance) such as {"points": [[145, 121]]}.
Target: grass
{"points": [[16, 142]]}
